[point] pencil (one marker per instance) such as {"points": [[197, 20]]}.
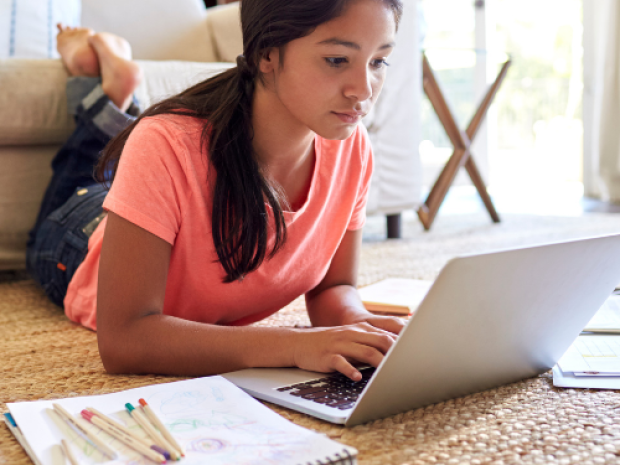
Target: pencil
{"points": [[90, 437], [123, 437], [133, 434], [151, 431], [65, 448], [162, 428], [120, 426]]}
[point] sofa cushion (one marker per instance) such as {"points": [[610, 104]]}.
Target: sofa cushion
{"points": [[224, 23], [33, 107], [28, 27], [156, 29]]}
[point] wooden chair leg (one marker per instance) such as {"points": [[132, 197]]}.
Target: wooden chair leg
{"points": [[461, 156]]}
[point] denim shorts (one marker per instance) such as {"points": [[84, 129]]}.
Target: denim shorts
{"points": [[61, 242]]}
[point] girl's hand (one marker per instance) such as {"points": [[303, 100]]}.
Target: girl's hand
{"points": [[393, 324], [334, 349]]}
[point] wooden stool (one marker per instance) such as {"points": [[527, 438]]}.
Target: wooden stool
{"points": [[461, 141]]}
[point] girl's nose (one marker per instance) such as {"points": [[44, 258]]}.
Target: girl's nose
{"points": [[359, 87]]}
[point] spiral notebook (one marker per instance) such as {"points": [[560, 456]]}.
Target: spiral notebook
{"points": [[212, 419]]}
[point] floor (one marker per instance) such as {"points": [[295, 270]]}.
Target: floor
{"points": [[561, 199]]}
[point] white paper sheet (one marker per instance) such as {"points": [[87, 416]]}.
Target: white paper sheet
{"points": [[607, 319], [592, 354], [215, 421], [567, 380]]}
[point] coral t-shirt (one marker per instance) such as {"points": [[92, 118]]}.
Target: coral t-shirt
{"points": [[162, 186]]}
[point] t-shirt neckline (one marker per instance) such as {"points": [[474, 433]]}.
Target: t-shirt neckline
{"points": [[289, 216]]}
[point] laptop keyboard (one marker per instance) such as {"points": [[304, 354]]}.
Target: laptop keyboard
{"points": [[335, 390]]}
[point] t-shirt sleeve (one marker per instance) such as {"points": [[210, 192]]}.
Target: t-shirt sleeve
{"points": [[149, 184], [364, 151]]}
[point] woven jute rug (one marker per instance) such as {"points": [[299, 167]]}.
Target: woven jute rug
{"points": [[44, 356]]}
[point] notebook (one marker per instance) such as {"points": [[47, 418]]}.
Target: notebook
{"points": [[213, 420], [394, 296], [607, 319]]}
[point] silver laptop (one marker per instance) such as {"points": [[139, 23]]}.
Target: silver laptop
{"points": [[488, 320]]}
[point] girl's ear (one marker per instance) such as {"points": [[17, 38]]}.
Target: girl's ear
{"points": [[270, 59]]}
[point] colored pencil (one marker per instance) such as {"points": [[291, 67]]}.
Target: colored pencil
{"points": [[162, 428], [151, 431], [120, 426], [65, 448], [90, 437], [133, 434], [123, 437]]}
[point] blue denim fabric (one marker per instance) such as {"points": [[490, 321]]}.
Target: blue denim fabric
{"points": [[73, 201]]}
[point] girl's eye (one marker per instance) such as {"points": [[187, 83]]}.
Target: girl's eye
{"points": [[335, 61], [380, 63]]}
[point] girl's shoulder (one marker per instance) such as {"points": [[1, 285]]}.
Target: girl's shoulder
{"points": [[170, 124]]}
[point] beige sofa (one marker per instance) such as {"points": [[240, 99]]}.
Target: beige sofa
{"points": [[178, 43]]}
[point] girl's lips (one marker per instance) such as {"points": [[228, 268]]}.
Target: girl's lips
{"points": [[348, 117]]}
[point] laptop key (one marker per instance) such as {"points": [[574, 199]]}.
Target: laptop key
{"points": [[336, 391], [302, 392], [326, 401], [315, 395]]}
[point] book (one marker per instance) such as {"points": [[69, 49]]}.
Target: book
{"points": [[394, 296], [213, 420]]}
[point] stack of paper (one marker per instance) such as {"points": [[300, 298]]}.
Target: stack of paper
{"points": [[593, 361]]}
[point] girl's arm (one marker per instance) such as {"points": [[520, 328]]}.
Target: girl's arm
{"points": [[134, 336], [335, 301]]}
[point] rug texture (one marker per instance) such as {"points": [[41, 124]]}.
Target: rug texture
{"points": [[44, 356]]}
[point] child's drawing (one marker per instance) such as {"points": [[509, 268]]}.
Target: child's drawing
{"points": [[214, 421]]}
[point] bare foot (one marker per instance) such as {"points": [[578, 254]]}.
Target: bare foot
{"points": [[119, 75], [76, 53]]}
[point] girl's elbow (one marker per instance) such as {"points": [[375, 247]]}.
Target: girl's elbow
{"points": [[116, 358]]}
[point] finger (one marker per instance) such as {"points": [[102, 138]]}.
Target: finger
{"points": [[392, 324], [363, 353], [381, 341], [341, 365]]}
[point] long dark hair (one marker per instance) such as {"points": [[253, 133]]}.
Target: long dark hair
{"points": [[240, 220]]}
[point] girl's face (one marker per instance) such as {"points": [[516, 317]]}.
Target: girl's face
{"points": [[328, 80]]}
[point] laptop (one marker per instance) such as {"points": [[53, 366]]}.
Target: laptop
{"points": [[488, 320]]}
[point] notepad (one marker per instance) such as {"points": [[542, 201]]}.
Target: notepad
{"points": [[396, 296], [592, 354], [607, 319], [213, 420]]}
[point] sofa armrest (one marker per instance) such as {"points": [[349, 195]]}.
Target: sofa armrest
{"points": [[224, 25], [33, 100]]}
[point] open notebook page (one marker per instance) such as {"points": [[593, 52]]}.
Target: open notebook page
{"points": [[215, 421]]}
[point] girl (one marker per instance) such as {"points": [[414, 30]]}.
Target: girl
{"points": [[228, 201]]}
